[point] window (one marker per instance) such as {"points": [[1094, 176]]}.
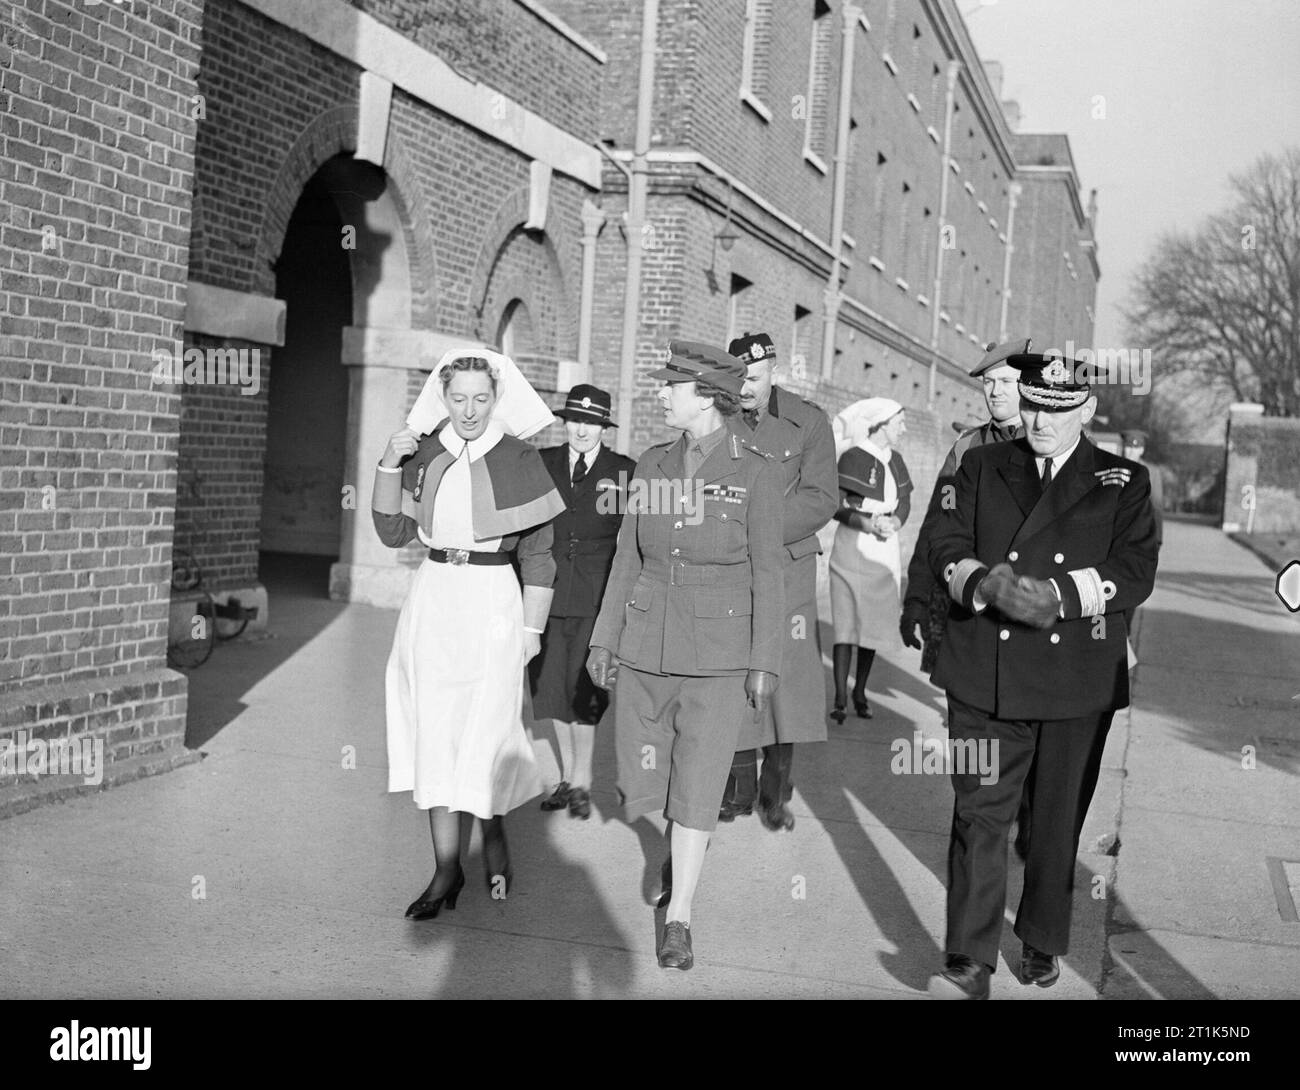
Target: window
{"points": [[816, 133], [755, 79], [801, 345], [740, 318]]}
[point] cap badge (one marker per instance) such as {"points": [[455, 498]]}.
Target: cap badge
{"points": [[1056, 371], [586, 403]]}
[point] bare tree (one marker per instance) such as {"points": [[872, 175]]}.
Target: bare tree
{"points": [[1224, 301]]}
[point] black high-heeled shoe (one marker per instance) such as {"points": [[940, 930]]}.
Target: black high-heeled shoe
{"points": [[422, 909], [499, 877], [838, 713], [862, 708]]}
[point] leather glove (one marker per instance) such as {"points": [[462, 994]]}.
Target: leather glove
{"points": [[996, 583], [916, 615], [1031, 601], [759, 687], [602, 668]]}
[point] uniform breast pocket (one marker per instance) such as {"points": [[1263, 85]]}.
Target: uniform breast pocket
{"points": [[636, 615], [722, 628], [724, 524]]}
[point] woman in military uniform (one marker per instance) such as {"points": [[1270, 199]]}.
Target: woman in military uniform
{"points": [[866, 565], [692, 618]]}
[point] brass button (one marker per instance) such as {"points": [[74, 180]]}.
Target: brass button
{"points": [[1059, 558], [1004, 635], [1056, 637], [677, 552], [731, 613], [1013, 555], [677, 525], [724, 516]]}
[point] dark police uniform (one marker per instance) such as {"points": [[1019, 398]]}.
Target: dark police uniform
{"points": [[1044, 694], [797, 436], [693, 603], [584, 536]]}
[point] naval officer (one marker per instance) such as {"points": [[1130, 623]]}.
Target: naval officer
{"points": [[690, 624], [1050, 540]]}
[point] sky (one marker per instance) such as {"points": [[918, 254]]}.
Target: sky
{"points": [[1194, 91]]}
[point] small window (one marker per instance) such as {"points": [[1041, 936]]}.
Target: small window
{"points": [[756, 74], [816, 133]]}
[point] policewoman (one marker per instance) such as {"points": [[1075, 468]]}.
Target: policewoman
{"points": [[592, 480], [458, 480], [1049, 541], [796, 435], [691, 623]]}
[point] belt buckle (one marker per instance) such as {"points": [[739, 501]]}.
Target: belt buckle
{"points": [[458, 557]]}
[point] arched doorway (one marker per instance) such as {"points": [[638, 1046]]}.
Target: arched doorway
{"points": [[308, 398]]}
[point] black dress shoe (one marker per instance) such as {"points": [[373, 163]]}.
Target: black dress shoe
{"points": [[559, 799], [838, 713], [730, 810], [675, 951], [579, 803], [426, 908], [1038, 968], [862, 708], [777, 817], [962, 978]]}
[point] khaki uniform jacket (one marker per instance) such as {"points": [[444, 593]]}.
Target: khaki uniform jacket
{"points": [[696, 587]]}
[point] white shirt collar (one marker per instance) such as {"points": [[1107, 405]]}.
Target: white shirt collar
{"points": [[455, 445], [1058, 460], [871, 448], [589, 456]]}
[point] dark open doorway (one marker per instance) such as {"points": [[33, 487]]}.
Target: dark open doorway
{"points": [[308, 397]]}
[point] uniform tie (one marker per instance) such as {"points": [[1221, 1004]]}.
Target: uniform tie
{"points": [[579, 470], [751, 417], [1047, 473]]}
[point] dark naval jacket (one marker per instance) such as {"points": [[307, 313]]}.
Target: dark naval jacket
{"points": [[1093, 533], [586, 531]]}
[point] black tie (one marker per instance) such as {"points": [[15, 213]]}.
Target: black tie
{"points": [[751, 417], [579, 470], [1047, 473]]}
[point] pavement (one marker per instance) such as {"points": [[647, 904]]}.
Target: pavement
{"points": [[280, 867]]}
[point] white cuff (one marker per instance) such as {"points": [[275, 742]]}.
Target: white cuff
{"points": [[1060, 600], [535, 631], [1092, 597], [389, 469]]}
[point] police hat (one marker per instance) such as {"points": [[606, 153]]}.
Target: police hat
{"points": [[1052, 382], [753, 348], [587, 403], [995, 353], [695, 361]]}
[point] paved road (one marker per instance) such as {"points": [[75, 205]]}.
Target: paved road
{"points": [[278, 866]]}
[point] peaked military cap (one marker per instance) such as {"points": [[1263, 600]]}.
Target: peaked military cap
{"points": [[1051, 381], [695, 361]]}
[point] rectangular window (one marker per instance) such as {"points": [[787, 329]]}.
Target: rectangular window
{"points": [[739, 306], [816, 132], [755, 78], [801, 345]]}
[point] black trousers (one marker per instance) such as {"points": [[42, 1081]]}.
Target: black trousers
{"points": [[744, 785], [1066, 757]]}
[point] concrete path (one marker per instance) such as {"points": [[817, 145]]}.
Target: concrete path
{"points": [[279, 866]]}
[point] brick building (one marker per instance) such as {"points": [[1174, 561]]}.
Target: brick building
{"points": [[288, 209]]}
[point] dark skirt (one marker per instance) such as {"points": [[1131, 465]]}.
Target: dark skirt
{"points": [[562, 689]]}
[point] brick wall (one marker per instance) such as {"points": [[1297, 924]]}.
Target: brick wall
{"points": [[95, 177]]}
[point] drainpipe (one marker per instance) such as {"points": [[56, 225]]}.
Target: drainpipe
{"points": [[592, 220], [638, 187], [831, 296], [936, 299], [1013, 194]]}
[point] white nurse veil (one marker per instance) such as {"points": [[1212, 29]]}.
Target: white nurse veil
{"points": [[519, 409], [852, 424]]}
